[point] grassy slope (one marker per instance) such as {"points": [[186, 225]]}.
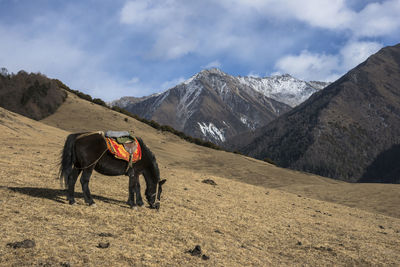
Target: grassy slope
{"points": [[78, 115], [256, 225]]}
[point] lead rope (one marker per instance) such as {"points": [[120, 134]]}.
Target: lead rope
{"points": [[102, 154], [156, 200], [95, 162]]}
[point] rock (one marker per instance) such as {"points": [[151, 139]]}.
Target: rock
{"points": [[205, 257], [103, 245], [209, 181], [195, 252], [27, 243]]}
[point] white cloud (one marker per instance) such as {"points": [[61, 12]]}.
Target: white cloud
{"points": [[377, 19], [134, 12], [213, 64], [179, 28], [323, 67], [147, 13], [167, 21], [56, 56], [172, 45], [46, 54], [356, 52], [331, 14], [309, 66]]}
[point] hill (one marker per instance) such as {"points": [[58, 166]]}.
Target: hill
{"points": [[235, 223], [214, 106], [77, 115], [32, 95], [340, 131]]}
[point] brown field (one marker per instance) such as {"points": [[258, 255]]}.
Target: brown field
{"points": [[256, 215]]}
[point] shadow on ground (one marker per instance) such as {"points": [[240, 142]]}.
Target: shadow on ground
{"points": [[59, 195]]}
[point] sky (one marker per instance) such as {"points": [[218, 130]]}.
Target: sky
{"points": [[111, 49]]}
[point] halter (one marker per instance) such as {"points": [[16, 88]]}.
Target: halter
{"points": [[156, 200]]}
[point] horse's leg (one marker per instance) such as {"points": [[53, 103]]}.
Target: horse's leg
{"points": [[85, 185], [131, 198], [139, 200], [134, 189], [71, 185]]}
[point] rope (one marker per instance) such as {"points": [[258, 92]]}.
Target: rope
{"points": [[91, 133], [102, 154], [156, 200], [95, 162]]}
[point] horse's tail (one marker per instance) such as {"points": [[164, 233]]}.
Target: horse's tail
{"points": [[68, 158]]}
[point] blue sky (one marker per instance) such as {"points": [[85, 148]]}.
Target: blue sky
{"points": [[117, 48]]}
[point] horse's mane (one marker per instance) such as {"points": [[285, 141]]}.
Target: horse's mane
{"points": [[146, 151]]}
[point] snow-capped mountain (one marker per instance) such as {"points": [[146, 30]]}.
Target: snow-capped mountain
{"points": [[284, 88], [214, 106]]}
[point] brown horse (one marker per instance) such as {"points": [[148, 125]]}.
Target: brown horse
{"points": [[85, 152]]}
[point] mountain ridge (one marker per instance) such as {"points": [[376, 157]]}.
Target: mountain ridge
{"points": [[340, 130], [213, 105]]}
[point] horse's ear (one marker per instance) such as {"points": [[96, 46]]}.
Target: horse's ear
{"points": [[163, 181]]}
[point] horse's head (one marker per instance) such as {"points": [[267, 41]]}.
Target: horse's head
{"points": [[153, 194]]}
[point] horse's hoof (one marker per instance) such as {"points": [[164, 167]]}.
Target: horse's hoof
{"points": [[140, 203], [134, 208], [93, 205]]}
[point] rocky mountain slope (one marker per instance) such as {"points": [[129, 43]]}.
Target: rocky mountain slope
{"points": [[340, 131], [32, 95], [214, 106]]}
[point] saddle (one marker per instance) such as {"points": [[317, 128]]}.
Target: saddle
{"points": [[123, 145]]}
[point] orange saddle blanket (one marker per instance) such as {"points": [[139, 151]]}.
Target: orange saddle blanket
{"points": [[119, 151]]}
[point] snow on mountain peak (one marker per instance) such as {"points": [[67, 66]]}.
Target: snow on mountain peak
{"points": [[283, 88]]}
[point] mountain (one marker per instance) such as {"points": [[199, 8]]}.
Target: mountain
{"points": [[284, 88], [214, 106], [342, 131], [32, 95], [126, 100]]}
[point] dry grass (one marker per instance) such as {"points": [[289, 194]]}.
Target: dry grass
{"points": [[274, 218]]}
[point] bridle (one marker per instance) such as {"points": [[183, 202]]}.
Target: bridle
{"points": [[156, 200]]}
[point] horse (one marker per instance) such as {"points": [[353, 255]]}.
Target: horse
{"points": [[85, 152]]}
